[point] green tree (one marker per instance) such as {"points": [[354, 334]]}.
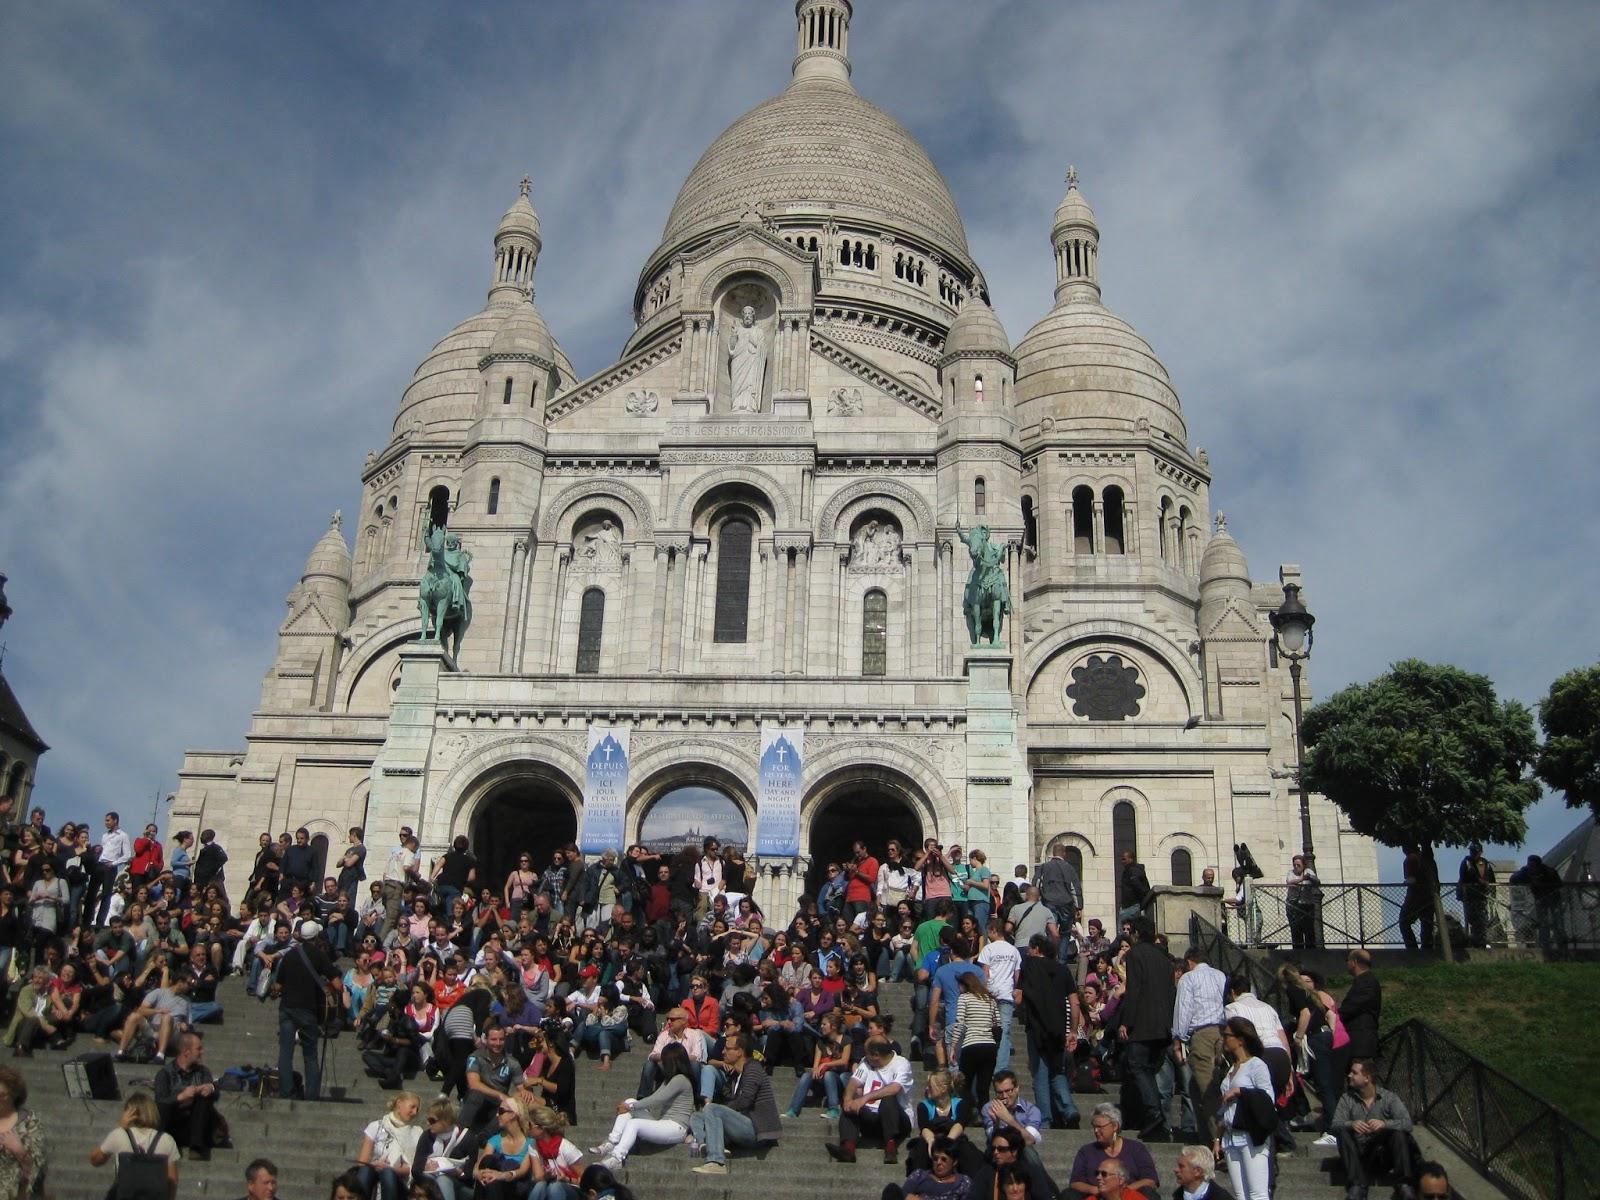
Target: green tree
{"points": [[1569, 760], [1424, 755]]}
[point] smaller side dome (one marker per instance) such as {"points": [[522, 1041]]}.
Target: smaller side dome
{"points": [[330, 557], [524, 332], [1223, 563], [977, 330]]}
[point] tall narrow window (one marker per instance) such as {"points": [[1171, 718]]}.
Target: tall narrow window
{"points": [[1030, 528], [1163, 532], [439, 505], [506, 399], [1182, 868], [1124, 839], [1082, 520], [875, 633], [733, 582], [980, 496], [494, 496], [591, 624], [1112, 498]]}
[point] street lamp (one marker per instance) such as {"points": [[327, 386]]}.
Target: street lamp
{"points": [[1291, 625]]}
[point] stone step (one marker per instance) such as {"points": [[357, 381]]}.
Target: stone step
{"points": [[313, 1142]]}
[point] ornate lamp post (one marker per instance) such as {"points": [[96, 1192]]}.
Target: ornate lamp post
{"points": [[1291, 625]]}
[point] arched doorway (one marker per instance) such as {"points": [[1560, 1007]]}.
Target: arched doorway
{"points": [[521, 816], [869, 814]]}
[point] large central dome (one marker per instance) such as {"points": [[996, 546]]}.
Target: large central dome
{"points": [[818, 149]]}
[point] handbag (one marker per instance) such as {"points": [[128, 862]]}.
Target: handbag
{"points": [[1341, 1035]]}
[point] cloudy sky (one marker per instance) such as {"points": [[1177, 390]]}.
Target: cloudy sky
{"points": [[1360, 236]]}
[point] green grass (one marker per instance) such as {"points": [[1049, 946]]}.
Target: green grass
{"points": [[1533, 1021]]}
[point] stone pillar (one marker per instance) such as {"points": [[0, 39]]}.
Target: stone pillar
{"points": [[399, 772], [513, 622], [802, 599], [658, 608], [779, 882], [780, 609], [1171, 908], [998, 785]]}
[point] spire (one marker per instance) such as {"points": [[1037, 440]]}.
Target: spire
{"points": [[822, 51], [1076, 238], [516, 249]]}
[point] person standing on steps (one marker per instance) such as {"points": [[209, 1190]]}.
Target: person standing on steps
{"points": [[116, 852], [1144, 1022], [1052, 1030], [304, 977]]}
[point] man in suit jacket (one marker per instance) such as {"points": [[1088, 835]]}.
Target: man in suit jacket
{"points": [[1144, 1022], [1362, 1006], [1194, 1175]]}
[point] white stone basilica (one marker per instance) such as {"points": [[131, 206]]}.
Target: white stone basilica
{"points": [[750, 517]]}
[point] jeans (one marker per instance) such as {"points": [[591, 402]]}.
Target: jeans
{"points": [[1324, 1074], [1002, 1058], [604, 1038], [203, 1010], [75, 903], [980, 914], [716, 1127], [105, 878], [448, 895], [298, 1024], [832, 1087], [1144, 1061], [339, 938], [390, 1186], [553, 1189], [1052, 1085], [1248, 1169]]}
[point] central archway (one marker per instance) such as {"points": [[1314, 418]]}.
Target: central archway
{"points": [[861, 811], [520, 816]]}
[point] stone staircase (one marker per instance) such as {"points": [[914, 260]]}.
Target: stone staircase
{"points": [[313, 1142]]}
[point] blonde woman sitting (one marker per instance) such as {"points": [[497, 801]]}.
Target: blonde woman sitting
{"points": [[388, 1148]]}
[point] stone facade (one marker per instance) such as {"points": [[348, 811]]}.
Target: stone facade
{"points": [[20, 745], [650, 551]]}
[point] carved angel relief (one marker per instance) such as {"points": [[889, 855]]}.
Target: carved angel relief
{"points": [[875, 549], [845, 402], [642, 403]]}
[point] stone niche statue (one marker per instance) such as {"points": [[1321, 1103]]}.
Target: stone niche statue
{"points": [[744, 336], [600, 546]]}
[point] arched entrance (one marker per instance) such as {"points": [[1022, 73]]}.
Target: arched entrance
{"points": [[683, 817], [867, 813], [520, 816]]}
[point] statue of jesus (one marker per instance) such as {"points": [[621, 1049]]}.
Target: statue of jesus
{"points": [[747, 362]]}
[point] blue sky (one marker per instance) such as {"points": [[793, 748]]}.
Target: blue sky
{"points": [[1359, 236]]}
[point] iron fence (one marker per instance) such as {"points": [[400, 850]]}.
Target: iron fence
{"points": [[1521, 1143], [1376, 914]]}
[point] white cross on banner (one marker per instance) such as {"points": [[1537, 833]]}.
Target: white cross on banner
{"points": [[778, 804]]}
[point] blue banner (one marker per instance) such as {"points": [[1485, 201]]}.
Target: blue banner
{"points": [[778, 804], [605, 789]]}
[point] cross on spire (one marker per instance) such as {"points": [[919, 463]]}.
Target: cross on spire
{"points": [[1072, 176], [526, 185]]}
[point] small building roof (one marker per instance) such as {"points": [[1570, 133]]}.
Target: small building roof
{"points": [[14, 721]]}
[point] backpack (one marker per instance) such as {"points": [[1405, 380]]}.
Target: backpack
{"points": [[141, 1175]]}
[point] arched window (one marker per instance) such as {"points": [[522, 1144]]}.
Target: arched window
{"points": [[1082, 520], [733, 581], [980, 496], [1182, 868], [506, 399], [875, 633], [1075, 858], [1030, 528], [1112, 498], [439, 505], [1164, 534], [591, 624], [1180, 552], [494, 496], [1124, 839]]}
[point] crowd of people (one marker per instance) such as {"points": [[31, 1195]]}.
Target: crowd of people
{"points": [[490, 989]]}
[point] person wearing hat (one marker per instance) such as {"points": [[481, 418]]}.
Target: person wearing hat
{"points": [[304, 977]]}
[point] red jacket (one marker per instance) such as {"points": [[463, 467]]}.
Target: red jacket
{"points": [[147, 857], [705, 1016]]}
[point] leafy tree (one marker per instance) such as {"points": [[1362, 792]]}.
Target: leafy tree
{"points": [[1425, 755], [1569, 761]]}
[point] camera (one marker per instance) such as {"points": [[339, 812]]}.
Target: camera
{"points": [[1246, 861]]}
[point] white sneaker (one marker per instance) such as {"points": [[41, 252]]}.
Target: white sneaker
{"points": [[1326, 1139], [611, 1163], [603, 1149]]}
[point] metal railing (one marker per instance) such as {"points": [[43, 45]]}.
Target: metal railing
{"points": [[1521, 1143], [1372, 915]]}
